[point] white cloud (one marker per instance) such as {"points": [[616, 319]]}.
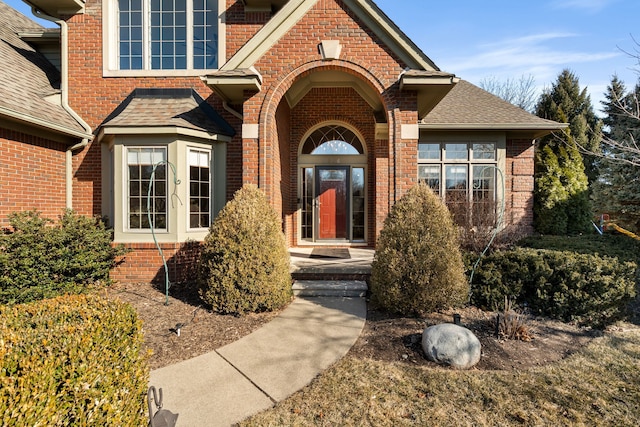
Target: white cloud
{"points": [[589, 6], [536, 54]]}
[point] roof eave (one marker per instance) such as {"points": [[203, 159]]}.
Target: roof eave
{"points": [[58, 8], [162, 130], [44, 124], [430, 89], [231, 88], [534, 131], [263, 5]]}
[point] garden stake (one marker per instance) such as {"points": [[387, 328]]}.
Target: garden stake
{"points": [[176, 181]]}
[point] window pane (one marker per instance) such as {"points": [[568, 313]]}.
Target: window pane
{"points": [[141, 192], [429, 151], [357, 204], [307, 203], [205, 34], [456, 192], [484, 151], [456, 152], [335, 148], [199, 186], [430, 175], [483, 195]]}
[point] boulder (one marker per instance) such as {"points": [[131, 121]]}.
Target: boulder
{"points": [[452, 345]]}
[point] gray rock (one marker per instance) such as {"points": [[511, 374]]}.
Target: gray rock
{"points": [[450, 344]]}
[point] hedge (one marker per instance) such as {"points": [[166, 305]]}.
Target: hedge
{"points": [[565, 285], [72, 360], [40, 258]]}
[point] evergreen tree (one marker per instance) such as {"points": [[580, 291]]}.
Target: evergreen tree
{"points": [[617, 191], [561, 204]]}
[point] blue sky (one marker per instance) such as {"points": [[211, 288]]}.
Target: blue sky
{"points": [[508, 39]]}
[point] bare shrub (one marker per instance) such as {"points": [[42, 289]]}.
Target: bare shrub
{"points": [[512, 325]]}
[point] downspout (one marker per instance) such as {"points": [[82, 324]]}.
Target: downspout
{"points": [[64, 92]]}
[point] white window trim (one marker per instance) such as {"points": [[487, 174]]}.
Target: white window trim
{"points": [[499, 141], [125, 192], [115, 185], [110, 31], [208, 150]]}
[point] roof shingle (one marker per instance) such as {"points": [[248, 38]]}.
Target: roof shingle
{"points": [[157, 107], [27, 77], [468, 106]]}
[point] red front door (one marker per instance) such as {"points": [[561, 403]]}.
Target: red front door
{"points": [[332, 201]]}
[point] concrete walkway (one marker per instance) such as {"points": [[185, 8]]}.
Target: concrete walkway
{"points": [[247, 376]]}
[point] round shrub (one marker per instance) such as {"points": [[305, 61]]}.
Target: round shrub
{"points": [[418, 267], [244, 265]]}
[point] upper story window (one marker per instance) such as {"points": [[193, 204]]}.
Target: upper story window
{"points": [[156, 36]]}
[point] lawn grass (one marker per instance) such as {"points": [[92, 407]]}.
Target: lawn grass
{"points": [[599, 385]]}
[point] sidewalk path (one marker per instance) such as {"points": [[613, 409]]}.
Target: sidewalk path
{"points": [[249, 375]]}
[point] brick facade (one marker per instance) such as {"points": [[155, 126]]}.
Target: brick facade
{"points": [[32, 175], [519, 184], [271, 159]]}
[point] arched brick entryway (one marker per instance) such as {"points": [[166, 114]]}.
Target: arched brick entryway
{"points": [[305, 99]]}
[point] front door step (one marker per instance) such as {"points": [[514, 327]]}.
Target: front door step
{"points": [[330, 288]]}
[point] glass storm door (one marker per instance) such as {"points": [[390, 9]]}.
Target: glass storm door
{"points": [[332, 185]]}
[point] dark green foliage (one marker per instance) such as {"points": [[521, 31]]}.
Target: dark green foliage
{"points": [[417, 266], [244, 266], [72, 360], [561, 204], [617, 191], [41, 259], [616, 246], [565, 285]]}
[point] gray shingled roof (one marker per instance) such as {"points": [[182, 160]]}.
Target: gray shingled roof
{"points": [[469, 107], [156, 107], [27, 77]]}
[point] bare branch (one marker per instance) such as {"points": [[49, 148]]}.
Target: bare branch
{"points": [[521, 92]]}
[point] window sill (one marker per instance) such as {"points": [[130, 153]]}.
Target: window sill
{"points": [[155, 73]]}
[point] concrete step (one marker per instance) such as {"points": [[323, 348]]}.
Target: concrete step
{"points": [[330, 288]]}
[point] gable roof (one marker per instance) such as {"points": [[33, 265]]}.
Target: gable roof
{"points": [[468, 107], [294, 10], [163, 109], [27, 78]]}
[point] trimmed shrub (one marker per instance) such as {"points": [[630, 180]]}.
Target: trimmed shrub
{"points": [[563, 285], [72, 360], [244, 265], [417, 267], [42, 259]]}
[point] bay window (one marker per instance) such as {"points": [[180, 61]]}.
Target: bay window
{"points": [[146, 198]]}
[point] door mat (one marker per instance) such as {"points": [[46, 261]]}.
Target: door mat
{"points": [[338, 253]]}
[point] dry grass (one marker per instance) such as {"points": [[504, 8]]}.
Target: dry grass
{"points": [[600, 385]]}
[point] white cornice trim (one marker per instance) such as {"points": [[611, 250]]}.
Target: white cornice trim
{"points": [[161, 130], [295, 10], [25, 118], [391, 34], [268, 35]]}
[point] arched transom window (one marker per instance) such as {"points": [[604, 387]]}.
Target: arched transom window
{"points": [[332, 140]]}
